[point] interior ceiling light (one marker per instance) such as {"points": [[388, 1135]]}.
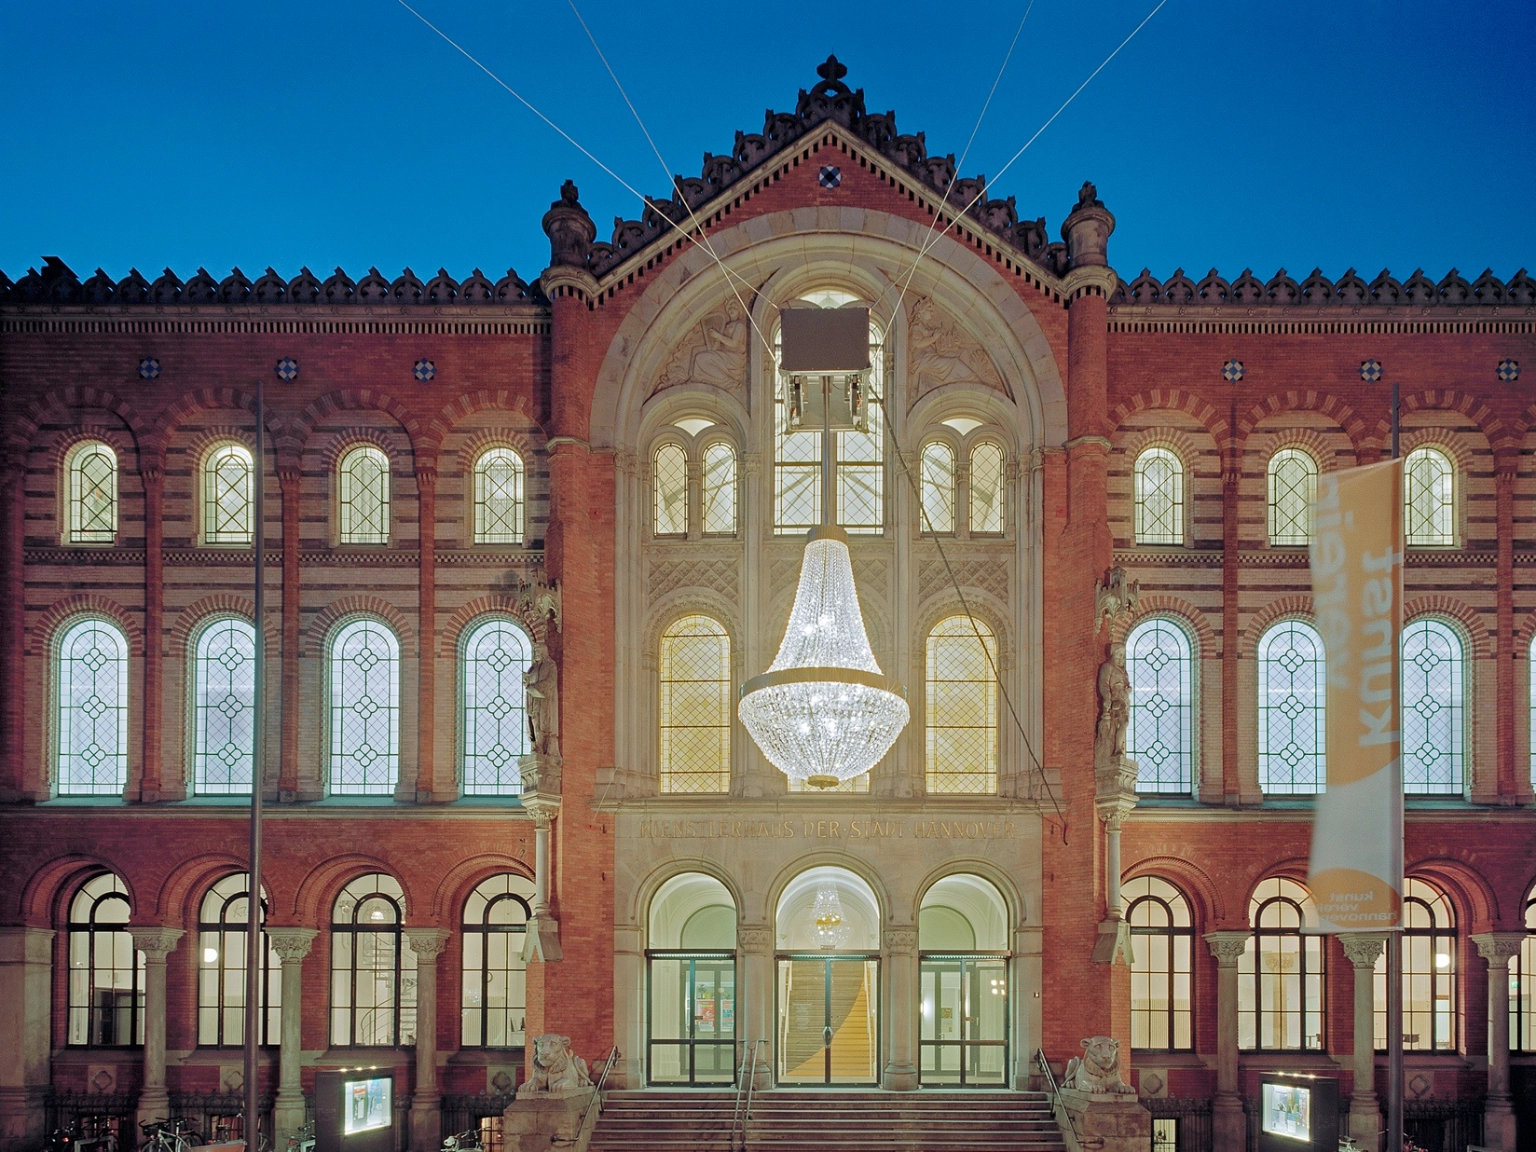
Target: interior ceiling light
{"points": [[824, 713], [827, 917]]}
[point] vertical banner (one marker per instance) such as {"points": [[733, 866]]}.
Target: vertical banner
{"points": [[1356, 871]]}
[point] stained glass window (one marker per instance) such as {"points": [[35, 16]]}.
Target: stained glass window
{"points": [[695, 664], [1159, 662], [1292, 488], [494, 997], [861, 459], [669, 483], [221, 945], [365, 709], [1522, 985], [106, 972], [962, 707], [1292, 736], [1280, 975], [228, 496], [373, 975], [1159, 497], [93, 709], [499, 497], [496, 654], [1433, 723], [987, 478], [90, 472], [224, 707], [938, 487], [1162, 965], [364, 492], [1429, 972], [1429, 496], [719, 490]]}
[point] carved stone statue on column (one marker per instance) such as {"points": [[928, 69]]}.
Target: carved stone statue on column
{"points": [[1114, 709], [542, 684]]}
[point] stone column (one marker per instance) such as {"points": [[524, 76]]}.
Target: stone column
{"points": [[1498, 948], [426, 1101], [26, 978], [754, 997], [1229, 1127], [1362, 950], [1114, 798], [542, 939], [291, 946], [153, 478], [899, 960], [291, 483], [629, 1007], [156, 944]]}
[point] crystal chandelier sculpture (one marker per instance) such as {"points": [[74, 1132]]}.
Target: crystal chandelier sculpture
{"points": [[827, 917]]}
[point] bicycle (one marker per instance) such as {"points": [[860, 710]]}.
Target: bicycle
{"points": [[168, 1136], [466, 1141], [303, 1140]]}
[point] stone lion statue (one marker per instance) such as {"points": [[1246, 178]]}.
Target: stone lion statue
{"points": [[1098, 1068], [555, 1067]]}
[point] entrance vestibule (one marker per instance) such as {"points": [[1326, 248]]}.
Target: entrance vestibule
{"points": [[691, 976], [962, 940]]}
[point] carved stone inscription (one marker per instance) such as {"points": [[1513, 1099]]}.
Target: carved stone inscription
{"points": [[851, 830]]}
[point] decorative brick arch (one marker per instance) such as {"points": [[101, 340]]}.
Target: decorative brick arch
{"points": [[1176, 440], [1164, 604], [468, 403], [364, 399], [1524, 635], [1452, 444], [313, 644], [41, 901], [1176, 400], [349, 438], [1293, 868], [460, 880], [1522, 428], [24, 425], [202, 399], [42, 632], [1473, 627], [58, 448], [452, 632], [1309, 440], [1204, 894], [1273, 612], [1450, 400], [1476, 904], [317, 892], [521, 442], [183, 889], [1307, 400], [178, 640]]}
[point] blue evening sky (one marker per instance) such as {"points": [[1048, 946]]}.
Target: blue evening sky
{"points": [[1228, 133]]}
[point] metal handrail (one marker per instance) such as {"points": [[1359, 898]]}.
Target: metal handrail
{"points": [[597, 1092], [1056, 1101], [741, 1112]]}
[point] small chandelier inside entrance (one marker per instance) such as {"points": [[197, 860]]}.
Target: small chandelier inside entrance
{"points": [[823, 713]]}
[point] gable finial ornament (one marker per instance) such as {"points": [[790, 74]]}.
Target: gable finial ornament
{"points": [[569, 228], [832, 69]]}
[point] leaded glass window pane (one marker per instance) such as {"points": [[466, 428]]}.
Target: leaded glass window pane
{"points": [[695, 665], [1159, 484], [669, 481], [1291, 714], [1433, 722], [861, 461], [228, 496], [938, 487], [373, 973], [364, 492], [365, 710], [1162, 965], [1292, 488], [93, 709], [499, 497], [496, 654], [221, 959], [493, 1001], [719, 490], [961, 725], [1281, 978], [1161, 735], [106, 973], [1429, 973], [224, 707], [1522, 985], [986, 489], [91, 478], [1429, 496]]}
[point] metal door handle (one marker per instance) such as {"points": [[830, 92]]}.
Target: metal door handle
{"points": [[826, 1034]]}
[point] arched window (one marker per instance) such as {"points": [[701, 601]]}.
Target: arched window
{"points": [[106, 972], [695, 665], [363, 488], [221, 925], [373, 978], [987, 477], [495, 723], [719, 490], [962, 707], [1433, 723], [669, 485], [499, 497], [224, 708], [1280, 976], [90, 478], [1429, 972], [1522, 985], [1429, 497], [228, 495], [1162, 965], [1291, 709], [494, 1002], [92, 733], [938, 488], [1159, 662], [365, 709], [1292, 488], [1159, 483]]}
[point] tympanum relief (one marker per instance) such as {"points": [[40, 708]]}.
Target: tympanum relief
{"points": [[939, 352]]}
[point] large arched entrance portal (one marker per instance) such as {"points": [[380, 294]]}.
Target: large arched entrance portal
{"points": [[962, 941], [691, 962]]}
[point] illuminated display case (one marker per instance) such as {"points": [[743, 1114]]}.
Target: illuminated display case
{"points": [[1298, 1112], [355, 1110]]}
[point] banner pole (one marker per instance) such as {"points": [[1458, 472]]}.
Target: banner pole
{"points": [[1395, 962], [253, 935]]}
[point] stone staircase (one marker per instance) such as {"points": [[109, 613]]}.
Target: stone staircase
{"points": [[830, 1120]]}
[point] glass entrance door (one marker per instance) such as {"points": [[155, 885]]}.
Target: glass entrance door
{"points": [[692, 1017], [964, 1034], [828, 1029]]}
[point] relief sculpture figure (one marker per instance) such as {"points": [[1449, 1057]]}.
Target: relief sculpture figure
{"points": [[1114, 708], [543, 688], [715, 354]]}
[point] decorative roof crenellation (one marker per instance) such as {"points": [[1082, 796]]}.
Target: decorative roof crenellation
{"points": [[1349, 290]]}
